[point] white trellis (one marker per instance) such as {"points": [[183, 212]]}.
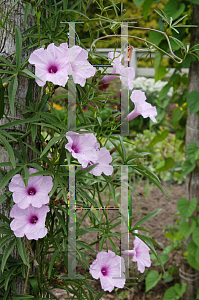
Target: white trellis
{"points": [[146, 72]]}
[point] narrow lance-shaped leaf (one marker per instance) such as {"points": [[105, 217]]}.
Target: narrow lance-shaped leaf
{"points": [[9, 150], [6, 253], [22, 252], [18, 47], [12, 89], [1, 99]]}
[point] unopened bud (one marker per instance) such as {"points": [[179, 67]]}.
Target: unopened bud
{"points": [[124, 10], [40, 7], [5, 84]]}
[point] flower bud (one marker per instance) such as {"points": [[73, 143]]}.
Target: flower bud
{"points": [[124, 10], [40, 7], [5, 84]]}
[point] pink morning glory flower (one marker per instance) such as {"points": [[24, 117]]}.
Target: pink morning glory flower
{"points": [[141, 107], [29, 221], [103, 159], [82, 146], [126, 73], [109, 268], [36, 193], [140, 254], [79, 68], [51, 64]]}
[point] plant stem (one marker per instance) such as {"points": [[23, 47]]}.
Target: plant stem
{"points": [[38, 267], [145, 41]]}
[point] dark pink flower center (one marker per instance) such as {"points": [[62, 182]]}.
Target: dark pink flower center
{"points": [[33, 220], [104, 271], [52, 69], [75, 148], [31, 191]]}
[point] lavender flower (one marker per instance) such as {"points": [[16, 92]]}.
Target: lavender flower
{"points": [[109, 268], [36, 193], [29, 221]]}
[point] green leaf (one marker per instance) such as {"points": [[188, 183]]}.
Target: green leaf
{"points": [[193, 152], [192, 248], [177, 115], [159, 138], [9, 150], [170, 294], [52, 261], [4, 218], [4, 240], [178, 42], [123, 148], [152, 279], [28, 72], [187, 167], [18, 47], [9, 274], [6, 253], [172, 9], [1, 99], [158, 59], [186, 208], [34, 284], [61, 220], [165, 164], [146, 218], [22, 252], [33, 131], [138, 3], [192, 260], [150, 175], [195, 236], [6, 62], [196, 2], [186, 229], [12, 89], [24, 297], [160, 73], [100, 295], [50, 144], [27, 9], [8, 176], [193, 102], [146, 8], [164, 91], [156, 37], [164, 259], [15, 123]]}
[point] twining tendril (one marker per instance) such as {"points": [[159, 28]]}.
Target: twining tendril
{"points": [[172, 56]]}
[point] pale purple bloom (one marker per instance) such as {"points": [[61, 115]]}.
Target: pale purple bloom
{"points": [[29, 221], [82, 147], [80, 68], [126, 73], [140, 254], [103, 159], [36, 193], [109, 268], [141, 107], [51, 64]]}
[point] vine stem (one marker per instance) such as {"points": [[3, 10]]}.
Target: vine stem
{"points": [[138, 38]]}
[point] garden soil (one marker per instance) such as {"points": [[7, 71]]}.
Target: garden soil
{"points": [[157, 225]]}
